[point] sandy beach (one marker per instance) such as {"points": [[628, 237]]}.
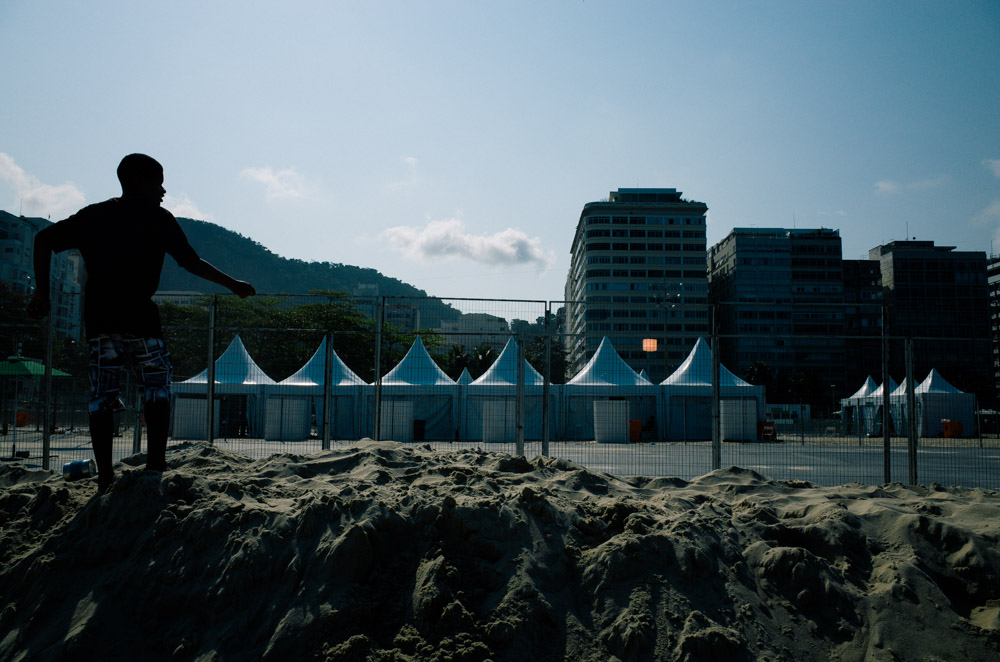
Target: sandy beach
{"points": [[381, 551]]}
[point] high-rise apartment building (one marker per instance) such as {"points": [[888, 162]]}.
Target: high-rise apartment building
{"points": [[779, 297], [862, 321], [938, 297], [17, 240], [993, 281], [638, 276]]}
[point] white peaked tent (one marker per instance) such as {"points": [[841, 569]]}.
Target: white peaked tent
{"points": [[876, 395], [419, 401], [240, 382], [644, 375], [687, 395], [604, 397], [462, 383], [866, 389], [293, 402], [897, 408], [869, 409], [490, 403], [852, 408], [503, 372], [935, 400]]}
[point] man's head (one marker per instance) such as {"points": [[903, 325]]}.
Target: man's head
{"points": [[141, 177]]}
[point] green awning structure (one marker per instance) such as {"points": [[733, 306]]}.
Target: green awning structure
{"points": [[19, 366]]}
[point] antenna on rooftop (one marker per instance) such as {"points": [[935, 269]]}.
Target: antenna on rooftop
{"points": [[794, 227]]}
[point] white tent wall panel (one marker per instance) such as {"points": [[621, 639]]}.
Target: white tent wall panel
{"points": [[474, 420], [396, 420], [738, 419], [287, 418], [499, 419], [611, 421], [437, 407], [189, 416], [689, 417], [577, 410]]}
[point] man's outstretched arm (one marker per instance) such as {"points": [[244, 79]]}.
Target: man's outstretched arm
{"points": [[205, 270]]}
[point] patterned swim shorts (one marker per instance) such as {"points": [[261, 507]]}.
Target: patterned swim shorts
{"points": [[148, 359]]}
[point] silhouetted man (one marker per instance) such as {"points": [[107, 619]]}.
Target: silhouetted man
{"points": [[123, 241]]}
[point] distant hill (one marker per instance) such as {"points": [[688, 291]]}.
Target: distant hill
{"points": [[269, 273]]}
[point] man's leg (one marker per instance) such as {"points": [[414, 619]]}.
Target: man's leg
{"points": [[102, 427], [157, 424], [105, 369], [153, 369]]}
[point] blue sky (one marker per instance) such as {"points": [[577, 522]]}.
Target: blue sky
{"points": [[453, 144]]}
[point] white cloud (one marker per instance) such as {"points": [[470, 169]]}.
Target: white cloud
{"points": [[989, 215], [448, 239], [36, 199], [886, 186], [931, 183], [993, 165], [185, 207], [891, 187], [278, 184]]}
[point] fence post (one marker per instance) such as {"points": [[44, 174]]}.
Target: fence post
{"points": [[137, 425], [716, 393], [328, 391], [886, 417], [979, 418], [46, 423], [519, 416], [210, 380], [911, 414], [546, 379], [377, 423]]}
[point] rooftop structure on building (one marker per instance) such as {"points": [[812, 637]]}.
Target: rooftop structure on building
{"points": [[637, 275]]}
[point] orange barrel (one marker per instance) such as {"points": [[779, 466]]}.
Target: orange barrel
{"points": [[951, 429]]}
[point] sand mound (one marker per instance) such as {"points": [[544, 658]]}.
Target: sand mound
{"points": [[389, 552]]}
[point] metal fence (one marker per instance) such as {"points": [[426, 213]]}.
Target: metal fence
{"points": [[298, 374]]}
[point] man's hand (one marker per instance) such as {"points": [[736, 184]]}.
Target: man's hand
{"points": [[39, 306], [243, 289], [203, 269]]}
